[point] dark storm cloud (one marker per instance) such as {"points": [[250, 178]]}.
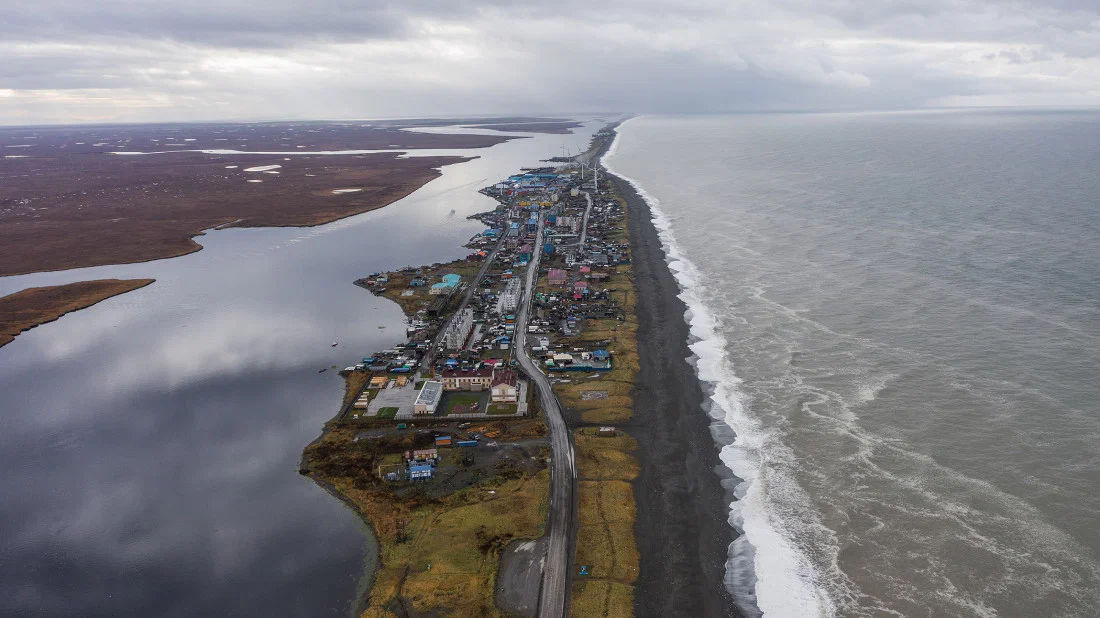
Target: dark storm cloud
{"points": [[278, 23], [129, 60]]}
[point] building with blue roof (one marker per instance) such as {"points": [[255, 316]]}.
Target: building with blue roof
{"points": [[418, 472]]}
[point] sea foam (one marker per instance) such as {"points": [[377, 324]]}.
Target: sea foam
{"points": [[766, 573]]}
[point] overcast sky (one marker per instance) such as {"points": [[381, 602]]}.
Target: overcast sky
{"points": [[126, 60]]}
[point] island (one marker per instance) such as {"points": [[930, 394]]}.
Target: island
{"points": [[31, 307]]}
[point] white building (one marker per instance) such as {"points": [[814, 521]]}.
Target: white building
{"points": [[459, 329], [509, 298], [504, 387], [428, 399]]}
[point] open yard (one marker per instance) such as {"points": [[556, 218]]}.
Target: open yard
{"points": [[463, 403], [503, 408]]}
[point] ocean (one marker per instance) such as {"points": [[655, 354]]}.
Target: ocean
{"points": [[897, 317]]}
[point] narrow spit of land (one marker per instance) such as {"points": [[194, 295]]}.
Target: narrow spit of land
{"points": [[374, 454], [681, 529], [532, 127], [634, 522], [28, 308]]}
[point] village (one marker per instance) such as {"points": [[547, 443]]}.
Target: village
{"points": [[458, 364], [454, 419]]}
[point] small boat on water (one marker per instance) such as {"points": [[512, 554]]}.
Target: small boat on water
{"points": [[323, 370], [335, 343]]}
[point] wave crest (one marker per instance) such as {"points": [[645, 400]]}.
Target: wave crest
{"points": [[765, 573]]}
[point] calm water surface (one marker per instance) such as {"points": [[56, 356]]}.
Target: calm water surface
{"points": [[150, 443], [899, 315]]}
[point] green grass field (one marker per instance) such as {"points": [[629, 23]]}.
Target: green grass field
{"points": [[503, 408]]}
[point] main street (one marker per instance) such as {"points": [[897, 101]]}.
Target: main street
{"points": [[556, 575], [471, 287]]}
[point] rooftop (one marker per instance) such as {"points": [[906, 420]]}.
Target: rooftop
{"points": [[482, 372], [430, 393]]}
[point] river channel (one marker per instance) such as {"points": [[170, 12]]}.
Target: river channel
{"points": [[149, 444]]}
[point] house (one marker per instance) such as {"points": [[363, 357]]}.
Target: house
{"points": [[467, 379], [425, 454], [562, 359], [378, 381], [556, 276], [504, 387], [449, 282], [420, 472], [428, 400]]}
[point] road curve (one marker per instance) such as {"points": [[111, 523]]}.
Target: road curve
{"points": [[556, 575]]}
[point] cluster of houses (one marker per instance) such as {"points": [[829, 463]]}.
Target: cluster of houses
{"points": [[502, 384]]}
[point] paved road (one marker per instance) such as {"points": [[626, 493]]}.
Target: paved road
{"points": [[470, 289], [556, 576]]}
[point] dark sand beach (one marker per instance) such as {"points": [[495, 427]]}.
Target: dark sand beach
{"points": [[681, 528]]}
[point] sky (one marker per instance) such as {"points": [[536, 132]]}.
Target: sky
{"points": [[68, 61]]}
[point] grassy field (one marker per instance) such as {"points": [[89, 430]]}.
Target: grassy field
{"points": [[605, 538], [439, 555], [618, 382], [459, 403], [606, 465], [443, 555], [387, 412]]}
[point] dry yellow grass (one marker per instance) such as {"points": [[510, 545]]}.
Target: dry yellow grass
{"points": [[353, 382], [443, 555], [604, 457], [441, 565], [605, 537], [602, 598]]}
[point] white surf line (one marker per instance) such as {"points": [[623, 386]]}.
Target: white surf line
{"points": [[786, 583]]}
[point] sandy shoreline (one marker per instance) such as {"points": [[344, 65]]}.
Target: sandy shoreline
{"points": [[681, 529]]}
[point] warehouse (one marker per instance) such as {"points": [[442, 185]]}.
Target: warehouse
{"points": [[428, 399]]}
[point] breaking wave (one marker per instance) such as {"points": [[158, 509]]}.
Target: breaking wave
{"points": [[765, 572]]}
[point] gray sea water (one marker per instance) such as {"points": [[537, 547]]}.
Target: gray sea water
{"points": [[899, 316]]}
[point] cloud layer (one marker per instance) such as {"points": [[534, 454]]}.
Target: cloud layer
{"points": [[118, 60]]}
